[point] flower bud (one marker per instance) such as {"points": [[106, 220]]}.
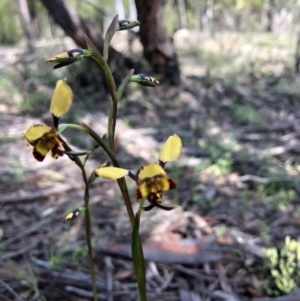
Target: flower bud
{"points": [[145, 80], [126, 24], [69, 57]]}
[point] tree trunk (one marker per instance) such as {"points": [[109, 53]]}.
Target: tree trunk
{"points": [[297, 55], [182, 14], [158, 46], [269, 7], [66, 16], [24, 12]]}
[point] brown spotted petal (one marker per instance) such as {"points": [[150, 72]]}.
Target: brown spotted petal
{"points": [[152, 180], [44, 138]]}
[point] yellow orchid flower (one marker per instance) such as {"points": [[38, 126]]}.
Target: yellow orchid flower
{"points": [[44, 138], [151, 179]]}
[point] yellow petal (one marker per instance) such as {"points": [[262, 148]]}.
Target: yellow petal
{"points": [[171, 149], [112, 173], [61, 99], [35, 132], [165, 184], [142, 191], [59, 57], [42, 148], [69, 56], [150, 171]]}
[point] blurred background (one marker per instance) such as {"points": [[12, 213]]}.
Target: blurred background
{"points": [[229, 87]]}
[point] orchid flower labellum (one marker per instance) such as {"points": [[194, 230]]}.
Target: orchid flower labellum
{"points": [[151, 179]]}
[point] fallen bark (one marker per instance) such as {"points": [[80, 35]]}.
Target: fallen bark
{"points": [[185, 251]]}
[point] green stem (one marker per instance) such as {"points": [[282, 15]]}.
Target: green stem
{"points": [[88, 227], [124, 84], [65, 126], [101, 142], [88, 230], [110, 133], [138, 255], [111, 86], [140, 267], [121, 182], [112, 120]]}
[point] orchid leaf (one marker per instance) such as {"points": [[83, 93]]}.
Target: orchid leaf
{"points": [[109, 35], [138, 255], [124, 84], [96, 55]]}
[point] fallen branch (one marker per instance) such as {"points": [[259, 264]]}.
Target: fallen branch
{"points": [[11, 291], [224, 296], [67, 275], [257, 179], [186, 251], [19, 252], [273, 127], [280, 150], [24, 197], [29, 197]]}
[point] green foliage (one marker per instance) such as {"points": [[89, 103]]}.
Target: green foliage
{"points": [[131, 121], [236, 57], [26, 276], [283, 268], [58, 260], [10, 27], [265, 229], [9, 88], [275, 194], [205, 196], [245, 114], [173, 103], [221, 154], [245, 197], [175, 173], [55, 261], [171, 17], [35, 103], [289, 86]]}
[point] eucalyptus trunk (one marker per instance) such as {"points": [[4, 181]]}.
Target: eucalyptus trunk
{"points": [[159, 49], [25, 16]]}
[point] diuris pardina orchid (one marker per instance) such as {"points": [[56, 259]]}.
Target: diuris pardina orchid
{"points": [[151, 179], [45, 138]]}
